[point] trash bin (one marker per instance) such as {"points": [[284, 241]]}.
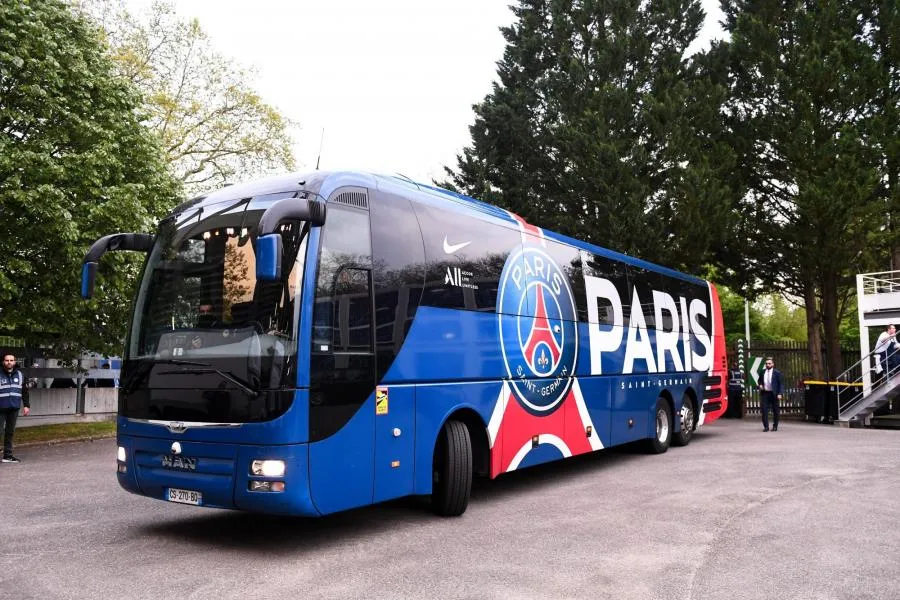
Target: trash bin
{"points": [[831, 402], [815, 400], [822, 401]]}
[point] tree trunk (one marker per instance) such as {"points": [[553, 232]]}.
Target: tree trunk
{"points": [[814, 333], [834, 362]]}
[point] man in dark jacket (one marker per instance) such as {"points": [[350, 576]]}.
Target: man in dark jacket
{"points": [[13, 395], [770, 393]]}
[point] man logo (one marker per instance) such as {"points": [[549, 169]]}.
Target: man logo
{"points": [[538, 334], [179, 462]]}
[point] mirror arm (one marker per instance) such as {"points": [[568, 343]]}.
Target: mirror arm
{"points": [[139, 242], [291, 209]]}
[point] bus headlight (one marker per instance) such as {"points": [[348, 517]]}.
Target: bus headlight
{"points": [[267, 468], [120, 454]]}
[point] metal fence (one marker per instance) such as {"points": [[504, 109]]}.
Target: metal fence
{"points": [[792, 359]]}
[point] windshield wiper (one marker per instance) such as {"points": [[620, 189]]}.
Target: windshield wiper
{"points": [[226, 375], [145, 367], [176, 361]]}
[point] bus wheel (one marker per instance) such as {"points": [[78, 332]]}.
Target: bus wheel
{"points": [[683, 436], [452, 470], [663, 437]]}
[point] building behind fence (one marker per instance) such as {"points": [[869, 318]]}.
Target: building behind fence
{"points": [[58, 394]]}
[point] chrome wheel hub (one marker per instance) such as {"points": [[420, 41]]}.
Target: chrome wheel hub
{"points": [[687, 417], [662, 426]]}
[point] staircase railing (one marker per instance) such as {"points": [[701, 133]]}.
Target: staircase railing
{"points": [[853, 390], [886, 282]]}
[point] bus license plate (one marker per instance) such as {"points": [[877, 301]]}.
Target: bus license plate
{"points": [[184, 496]]}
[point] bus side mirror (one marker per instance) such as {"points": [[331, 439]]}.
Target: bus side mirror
{"points": [[269, 250], [88, 275], [116, 242]]}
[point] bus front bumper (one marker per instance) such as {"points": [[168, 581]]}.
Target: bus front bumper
{"points": [[217, 474]]}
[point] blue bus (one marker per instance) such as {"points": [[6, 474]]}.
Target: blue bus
{"points": [[310, 343]]}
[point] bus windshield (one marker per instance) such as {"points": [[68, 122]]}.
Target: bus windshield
{"points": [[202, 320]]}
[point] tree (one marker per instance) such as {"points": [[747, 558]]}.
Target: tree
{"points": [[880, 33], [733, 316], [802, 108], [75, 164], [214, 127], [783, 321], [599, 128]]}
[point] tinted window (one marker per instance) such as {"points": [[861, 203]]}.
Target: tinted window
{"points": [[643, 283], [646, 282], [617, 273], [342, 285], [465, 257], [209, 342], [398, 273], [568, 259], [342, 364]]}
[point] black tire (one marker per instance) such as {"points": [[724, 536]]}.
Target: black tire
{"points": [[452, 470], [687, 422], [662, 437]]}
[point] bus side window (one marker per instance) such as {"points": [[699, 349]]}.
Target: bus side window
{"points": [[615, 272], [353, 310], [342, 314]]}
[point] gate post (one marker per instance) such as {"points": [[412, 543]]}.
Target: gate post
{"points": [[740, 353]]}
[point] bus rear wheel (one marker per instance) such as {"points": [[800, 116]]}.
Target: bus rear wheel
{"points": [[688, 419], [662, 437], [452, 470]]}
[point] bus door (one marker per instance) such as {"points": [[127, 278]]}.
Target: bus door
{"points": [[342, 365], [398, 278]]}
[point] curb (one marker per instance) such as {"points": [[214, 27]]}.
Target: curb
{"points": [[87, 438]]}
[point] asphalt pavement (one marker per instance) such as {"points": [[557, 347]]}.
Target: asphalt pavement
{"points": [[808, 512]]}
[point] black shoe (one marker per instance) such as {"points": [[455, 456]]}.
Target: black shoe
{"points": [[10, 459], [775, 428], [765, 430]]}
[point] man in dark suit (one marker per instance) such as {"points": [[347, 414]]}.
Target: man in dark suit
{"points": [[770, 393]]}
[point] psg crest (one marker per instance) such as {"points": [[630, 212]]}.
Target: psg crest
{"points": [[540, 350]]}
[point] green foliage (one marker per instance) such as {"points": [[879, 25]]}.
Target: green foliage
{"points": [[599, 128], [803, 108], [75, 164], [214, 127], [771, 319], [849, 328], [732, 315], [781, 321]]}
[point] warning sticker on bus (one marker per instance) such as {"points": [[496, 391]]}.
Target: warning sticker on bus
{"points": [[381, 400]]}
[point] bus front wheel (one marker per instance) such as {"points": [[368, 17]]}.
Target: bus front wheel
{"points": [[452, 470], [662, 437]]}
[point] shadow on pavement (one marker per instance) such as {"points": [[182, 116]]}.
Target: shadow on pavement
{"points": [[277, 534]]}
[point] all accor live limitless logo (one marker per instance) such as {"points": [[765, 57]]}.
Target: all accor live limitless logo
{"points": [[457, 277]]}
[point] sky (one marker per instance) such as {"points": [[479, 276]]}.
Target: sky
{"points": [[381, 85]]}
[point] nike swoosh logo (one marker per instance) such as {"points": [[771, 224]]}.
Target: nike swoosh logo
{"points": [[451, 248]]}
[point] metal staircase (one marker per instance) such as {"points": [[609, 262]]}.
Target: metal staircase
{"points": [[878, 305], [859, 397]]}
